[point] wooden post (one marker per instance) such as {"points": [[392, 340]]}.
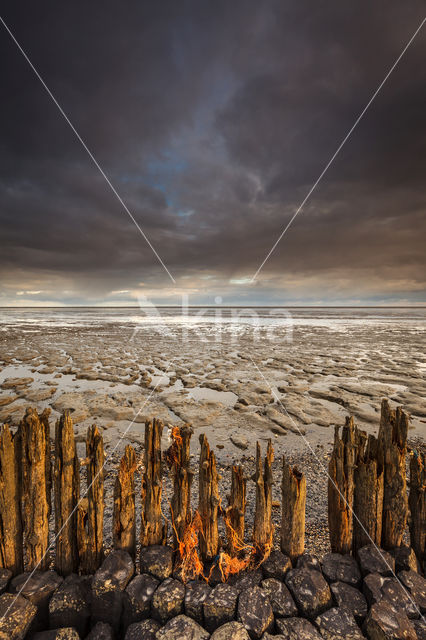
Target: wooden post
{"points": [[341, 488], [35, 508], [368, 494], [178, 460], [235, 513], [67, 493], [124, 518], [263, 528], [208, 502], [94, 520], [153, 529], [44, 419], [393, 447], [11, 556], [293, 489], [417, 503]]}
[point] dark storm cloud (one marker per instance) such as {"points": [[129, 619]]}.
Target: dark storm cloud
{"points": [[213, 120]]}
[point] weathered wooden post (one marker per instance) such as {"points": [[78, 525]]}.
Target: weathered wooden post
{"points": [[341, 488], [293, 489], [417, 503], [235, 512], [368, 494], [263, 529], [178, 460], [67, 494], [393, 449], [90, 528], [208, 502], [11, 550], [44, 419], [124, 517], [35, 508], [153, 528]]}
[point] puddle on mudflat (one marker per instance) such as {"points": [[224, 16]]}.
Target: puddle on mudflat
{"points": [[227, 398]]}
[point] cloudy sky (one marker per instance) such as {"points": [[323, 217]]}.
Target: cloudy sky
{"points": [[212, 119]]}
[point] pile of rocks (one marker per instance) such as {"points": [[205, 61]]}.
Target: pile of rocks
{"points": [[338, 599]]}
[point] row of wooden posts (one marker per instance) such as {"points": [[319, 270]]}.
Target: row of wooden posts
{"points": [[367, 498]]}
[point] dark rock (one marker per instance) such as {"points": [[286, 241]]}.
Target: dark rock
{"points": [[5, 576], [70, 606], [280, 598], [338, 624], [416, 584], [64, 633], [374, 560], [196, 593], [101, 631], [420, 628], [255, 612], [168, 600], [245, 580], [386, 623], [182, 628], [341, 568], [108, 585], [276, 566], [405, 559], [157, 560], [220, 606], [350, 599], [37, 587], [16, 616], [308, 561], [310, 591], [144, 630], [297, 629], [230, 631], [377, 588], [137, 598]]}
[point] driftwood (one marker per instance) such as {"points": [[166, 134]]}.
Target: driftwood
{"points": [[208, 502], [124, 517], [153, 528], [90, 527], [293, 489], [67, 494], [417, 503], [235, 512], [263, 528], [368, 497], [35, 508], [393, 450], [11, 556], [341, 488], [178, 460]]}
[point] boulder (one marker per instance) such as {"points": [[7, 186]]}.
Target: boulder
{"points": [[183, 628], [16, 616], [246, 579], [70, 606], [157, 560], [377, 587], [338, 624], [310, 591], [341, 568], [137, 598], [144, 630], [230, 631], [196, 593], [351, 599], [168, 600], [416, 584], [420, 628], [5, 576], [308, 561], [101, 631], [255, 612], [64, 633], [405, 559], [297, 629], [220, 606], [276, 566], [374, 560], [280, 598], [386, 623], [38, 588], [108, 585]]}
